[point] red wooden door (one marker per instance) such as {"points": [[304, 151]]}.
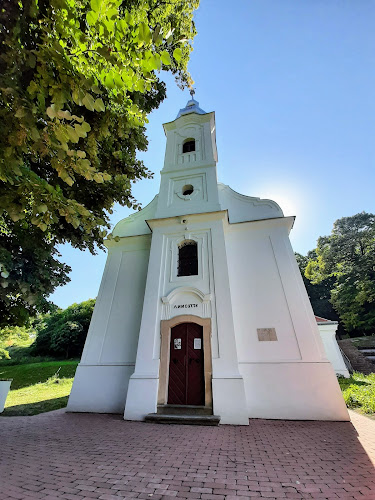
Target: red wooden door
{"points": [[186, 365]]}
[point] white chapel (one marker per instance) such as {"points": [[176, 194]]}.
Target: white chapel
{"points": [[202, 310]]}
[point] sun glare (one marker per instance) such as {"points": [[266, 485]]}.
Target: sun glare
{"points": [[289, 197]]}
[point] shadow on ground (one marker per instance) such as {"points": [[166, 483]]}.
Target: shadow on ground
{"points": [[35, 408], [344, 384]]}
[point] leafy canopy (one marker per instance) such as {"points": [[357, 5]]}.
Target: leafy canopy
{"points": [[319, 293], [9, 336], [63, 332], [77, 80], [348, 256]]}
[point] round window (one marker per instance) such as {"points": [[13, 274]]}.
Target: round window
{"points": [[188, 189]]}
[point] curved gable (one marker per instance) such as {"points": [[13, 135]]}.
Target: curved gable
{"points": [[135, 224], [243, 208]]}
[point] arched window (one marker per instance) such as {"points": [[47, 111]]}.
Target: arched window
{"points": [[188, 258], [188, 146]]}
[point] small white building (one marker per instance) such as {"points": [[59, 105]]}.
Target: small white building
{"points": [[327, 330], [202, 305]]}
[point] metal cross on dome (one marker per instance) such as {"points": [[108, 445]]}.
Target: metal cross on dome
{"points": [[192, 93]]}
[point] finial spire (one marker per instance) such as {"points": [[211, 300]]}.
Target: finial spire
{"points": [[192, 106]]}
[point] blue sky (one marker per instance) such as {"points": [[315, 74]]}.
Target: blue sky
{"points": [[292, 83]]}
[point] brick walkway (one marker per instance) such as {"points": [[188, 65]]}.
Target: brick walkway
{"points": [[76, 456]]}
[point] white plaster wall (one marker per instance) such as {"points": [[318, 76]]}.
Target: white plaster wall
{"points": [[293, 391], [289, 378], [109, 355], [100, 388], [258, 295]]}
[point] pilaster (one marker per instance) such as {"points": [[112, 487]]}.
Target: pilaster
{"points": [[143, 384], [228, 388]]}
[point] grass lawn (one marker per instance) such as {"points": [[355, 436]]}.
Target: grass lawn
{"points": [[26, 375], [36, 388], [45, 386], [359, 392]]}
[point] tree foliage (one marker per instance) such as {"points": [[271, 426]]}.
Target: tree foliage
{"points": [[9, 336], [319, 293], [30, 271], [63, 332], [348, 256], [77, 80]]}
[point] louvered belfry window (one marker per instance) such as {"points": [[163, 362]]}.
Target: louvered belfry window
{"points": [[188, 146], [188, 259]]}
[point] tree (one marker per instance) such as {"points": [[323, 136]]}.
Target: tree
{"points": [[77, 80], [348, 256], [30, 271], [319, 293], [63, 332], [9, 336]]}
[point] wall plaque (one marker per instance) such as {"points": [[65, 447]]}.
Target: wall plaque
{"points": [[266, 334]]}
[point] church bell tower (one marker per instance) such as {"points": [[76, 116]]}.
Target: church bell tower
{"points": [[187, 348], [188, 179]]}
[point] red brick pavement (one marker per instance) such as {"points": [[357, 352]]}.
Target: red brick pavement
{"points": [[81, 456]]}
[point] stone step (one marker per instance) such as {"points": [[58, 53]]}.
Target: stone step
{"points": [[183, 410], [183, 419]]}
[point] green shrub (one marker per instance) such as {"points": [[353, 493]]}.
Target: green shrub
{"points": [[359, 391], [13, 336], [63, 332]]}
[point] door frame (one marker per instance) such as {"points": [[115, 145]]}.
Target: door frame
{"points": [[166, 326]]}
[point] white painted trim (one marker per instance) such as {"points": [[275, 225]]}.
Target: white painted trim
{"points": [[205, 297]]}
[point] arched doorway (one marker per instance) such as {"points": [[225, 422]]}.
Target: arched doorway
{"points": [[186, 365], [198, 328]]}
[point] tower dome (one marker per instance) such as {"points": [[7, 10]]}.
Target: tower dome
{"points": [[192, 106]]}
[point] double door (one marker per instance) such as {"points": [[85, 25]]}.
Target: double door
{"points": [[186, 366]]}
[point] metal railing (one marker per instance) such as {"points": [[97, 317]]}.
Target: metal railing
{"points": [[346, 360]]}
